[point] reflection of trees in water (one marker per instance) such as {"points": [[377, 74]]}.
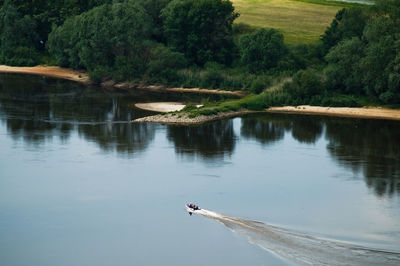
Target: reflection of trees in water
{"points": [[271, 128], [307, 129], [214, 140], [39, 109], [368, 146], [123, 138], [264, 129]]}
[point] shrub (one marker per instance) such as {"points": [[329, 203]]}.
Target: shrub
{"points": [[305, 84], [260, 84], [201, 29], [100, 73], [164, 64], [262, 49]]}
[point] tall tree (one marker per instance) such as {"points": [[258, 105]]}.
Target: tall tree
{"points": [[112, 36], [17, 36], [201, 29], [262, 49]]}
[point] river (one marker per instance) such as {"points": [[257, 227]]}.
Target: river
{"points": [[79, 185]]}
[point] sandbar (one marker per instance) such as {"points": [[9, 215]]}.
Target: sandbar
{"points": [[162, 107]]}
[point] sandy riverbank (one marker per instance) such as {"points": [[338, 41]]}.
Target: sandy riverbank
{"points": [[49, 71], [365, 112], [360, 112], [83, 77]]}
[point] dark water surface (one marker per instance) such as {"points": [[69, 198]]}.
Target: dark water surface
{"points": [[80, 186]]}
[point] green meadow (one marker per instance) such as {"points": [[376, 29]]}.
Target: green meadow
{"points": [[300, 21]]}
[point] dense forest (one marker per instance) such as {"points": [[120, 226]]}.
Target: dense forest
{"points": [[195, 43]]}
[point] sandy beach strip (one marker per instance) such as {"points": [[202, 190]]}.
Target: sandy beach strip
{"points": [[49, 71], [162, 107], [355, 112]]}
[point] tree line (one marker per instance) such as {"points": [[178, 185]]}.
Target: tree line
{"points": [[196, 43]]}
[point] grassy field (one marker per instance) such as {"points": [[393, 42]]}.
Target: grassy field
{"points": [[300, 21]]}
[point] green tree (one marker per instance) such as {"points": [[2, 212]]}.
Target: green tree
{"points": [[201, 29], [47, 13], [153, 8], [262, 49], [347, 23], [305, 85], [112, 35], [17, 37], [343, 72]]}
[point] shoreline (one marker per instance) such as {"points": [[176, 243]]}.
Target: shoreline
{"points": [[49, 71], [183, 119], [83, 77], [350, 112]]}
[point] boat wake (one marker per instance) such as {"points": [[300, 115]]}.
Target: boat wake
{"points": [[301, 248]]}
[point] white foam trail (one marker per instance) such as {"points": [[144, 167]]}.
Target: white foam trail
{"points": [[301, 248]]}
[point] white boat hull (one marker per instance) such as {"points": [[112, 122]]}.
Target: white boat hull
{"points": [[191, 210]]}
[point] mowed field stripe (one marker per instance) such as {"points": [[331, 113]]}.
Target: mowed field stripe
{"points": [[300, 22]]}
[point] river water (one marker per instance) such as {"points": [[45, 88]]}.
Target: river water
{"points": [[81, 186]]}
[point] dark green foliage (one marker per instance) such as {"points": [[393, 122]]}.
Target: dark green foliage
{"points": [[262, 49], [153, 8], [25, 25], [305, 85], [348, 23], [164, 64], [343, 73], [339, 100], [260, 83], [369, 64], [300, 56], [242, 28], [201, 29], [111, 36], [99, 73], [256, 105], [47, 13], [17, 37]]}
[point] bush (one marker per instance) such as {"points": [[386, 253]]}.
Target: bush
{"points": [[164, 64], [340, 101], [99, 74], [212, 79], [262, 49], [305, 84], [260, 84]]}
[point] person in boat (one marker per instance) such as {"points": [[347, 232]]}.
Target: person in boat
{"points": [[192, 206]]}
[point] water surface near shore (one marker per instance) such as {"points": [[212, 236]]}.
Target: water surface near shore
{"points": [[80, 186]]}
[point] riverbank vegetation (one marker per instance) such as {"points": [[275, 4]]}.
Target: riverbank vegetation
{"points": [[195, 43]]}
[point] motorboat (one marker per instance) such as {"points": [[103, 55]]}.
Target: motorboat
{"points": [[192, 208]]}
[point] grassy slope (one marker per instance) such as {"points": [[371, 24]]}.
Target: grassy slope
{"points": [[300, 22]]}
